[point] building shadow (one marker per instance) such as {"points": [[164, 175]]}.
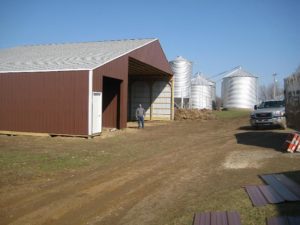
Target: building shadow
{"points": [[265, 139], [260, 128]]}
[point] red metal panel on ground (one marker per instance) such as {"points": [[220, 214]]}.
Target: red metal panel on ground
{"points": [[277, 221], [280, 188], [217, 218], [44, 102], [202, 219], [290, 184], [233, 218], [270, 194], [284, 220], [255, 195], [294, 220]]}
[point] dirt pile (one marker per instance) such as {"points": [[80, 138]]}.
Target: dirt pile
{"points": [[194, 114]]}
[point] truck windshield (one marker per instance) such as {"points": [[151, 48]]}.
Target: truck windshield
{"points": [[272, 104]]}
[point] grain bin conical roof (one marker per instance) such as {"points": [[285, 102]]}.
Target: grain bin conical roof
{"points": [[238, 72]]}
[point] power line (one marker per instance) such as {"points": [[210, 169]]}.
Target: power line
{"points": [[227, 71]]}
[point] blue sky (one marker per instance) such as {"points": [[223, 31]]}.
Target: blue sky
{"points": [[263, 36]]}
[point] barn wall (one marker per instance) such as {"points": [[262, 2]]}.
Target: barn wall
{"points": [[151, 54], [44, 102], [117, 69], [155, 95], [140, 93]]}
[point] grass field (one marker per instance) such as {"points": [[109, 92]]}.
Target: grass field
{"points": [[232, 113]]}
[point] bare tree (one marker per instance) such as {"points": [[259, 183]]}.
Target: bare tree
{"points": [[219, 103], [297, 70], [267, 92], [262, 93]]}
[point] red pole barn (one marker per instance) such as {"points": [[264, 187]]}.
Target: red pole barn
{"points": [[78, 88]]}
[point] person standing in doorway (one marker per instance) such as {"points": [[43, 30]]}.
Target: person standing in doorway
{"points": [[140, 114]]}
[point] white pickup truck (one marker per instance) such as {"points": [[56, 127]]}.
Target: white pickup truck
{"points": [[269, 113]]}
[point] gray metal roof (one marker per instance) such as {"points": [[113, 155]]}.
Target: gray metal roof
{"points": [[200, 79], [69, 56], [238, 72]]}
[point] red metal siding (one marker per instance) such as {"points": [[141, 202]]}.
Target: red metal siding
{"points": [[117, 69], [151, 54], [44, 102]]}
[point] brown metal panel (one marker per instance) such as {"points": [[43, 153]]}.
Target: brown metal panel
{"points": [[220, 218], [234, 218], [280, 188], [282, 220], [290, 184], [256, 196], [270, 194], [294, 220], [202, 218], [44, 102], [217, 218]]}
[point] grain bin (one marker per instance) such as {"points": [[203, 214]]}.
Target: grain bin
{"points": [[201, 92], [212, 85], [239, 89], [182, 69]]}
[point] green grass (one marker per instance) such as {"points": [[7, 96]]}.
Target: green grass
{"points": [[232, 113]]}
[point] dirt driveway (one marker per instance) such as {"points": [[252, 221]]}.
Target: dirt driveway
{"points": [[159, 175]]}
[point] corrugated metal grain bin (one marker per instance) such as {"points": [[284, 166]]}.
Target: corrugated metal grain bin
{"points": [[201, 93], [182, 69], [239, 89]]}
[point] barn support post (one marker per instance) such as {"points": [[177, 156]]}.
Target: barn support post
{"points": [[150, 83]]}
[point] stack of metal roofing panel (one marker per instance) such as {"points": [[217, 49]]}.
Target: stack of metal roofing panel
{"points": [[280, 189]]}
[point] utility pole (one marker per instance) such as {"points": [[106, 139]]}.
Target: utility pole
{"points": [[274, 86]]}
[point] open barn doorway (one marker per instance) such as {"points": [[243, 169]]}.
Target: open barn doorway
{"points": [[111, 102]]}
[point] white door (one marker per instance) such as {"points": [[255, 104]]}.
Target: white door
{"points": [[97, 113]]}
